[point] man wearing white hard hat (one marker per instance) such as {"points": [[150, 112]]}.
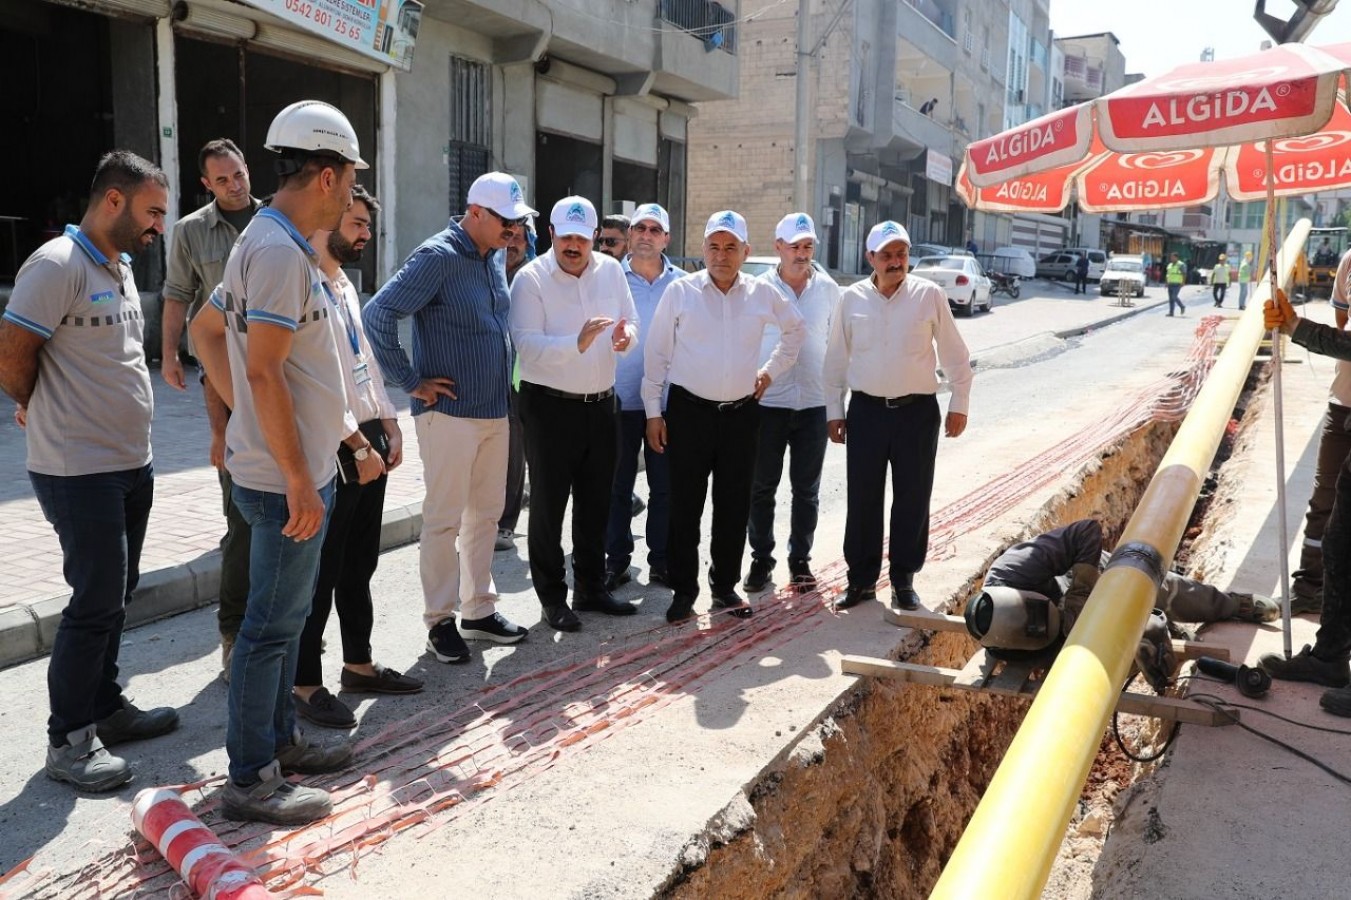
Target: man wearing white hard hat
{"points": [[704, 342], [881, 351], [793, 411], [571, 318], [267, 341], [454, 287], [648, 271]]}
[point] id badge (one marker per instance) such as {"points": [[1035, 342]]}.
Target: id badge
{"points": [[361, 374]]}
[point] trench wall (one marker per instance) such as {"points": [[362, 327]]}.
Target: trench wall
{"points": [[871, 802]]}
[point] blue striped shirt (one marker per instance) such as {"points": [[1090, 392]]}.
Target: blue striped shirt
{"points": [[459, 301], [629, 371]]}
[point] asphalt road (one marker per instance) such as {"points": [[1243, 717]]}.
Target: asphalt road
{"points": [[1017, 411]]}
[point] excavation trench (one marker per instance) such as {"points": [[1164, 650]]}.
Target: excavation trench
{"points": [[872, 801]]}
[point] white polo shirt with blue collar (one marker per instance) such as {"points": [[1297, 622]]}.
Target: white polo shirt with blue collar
{"points": [[92, 404], [273, 279]]}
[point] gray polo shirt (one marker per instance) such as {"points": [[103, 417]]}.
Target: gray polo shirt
{"points": [[198, 249], [91, 407], [273, 279]]}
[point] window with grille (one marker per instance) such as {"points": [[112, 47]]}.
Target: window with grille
{"points": [[470, 146]]}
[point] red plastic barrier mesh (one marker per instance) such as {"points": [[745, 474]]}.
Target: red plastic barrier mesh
{"points": [[421, 773]]}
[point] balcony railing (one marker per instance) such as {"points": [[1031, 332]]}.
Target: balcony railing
{"points": [[937, 15], [711, 22]]}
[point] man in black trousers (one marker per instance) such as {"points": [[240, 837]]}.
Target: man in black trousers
{"points": [[881, 350], [704, 341], [571, 317]]}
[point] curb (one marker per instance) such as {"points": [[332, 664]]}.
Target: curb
{"points": [[27, 630]]}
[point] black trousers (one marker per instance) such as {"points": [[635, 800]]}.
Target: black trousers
{"points": [[511, 509], [234, 562], [346, 565], [571, 449], [704, 441], [906, 439]]}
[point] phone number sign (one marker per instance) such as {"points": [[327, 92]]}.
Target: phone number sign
{"points": [[383, 29]]}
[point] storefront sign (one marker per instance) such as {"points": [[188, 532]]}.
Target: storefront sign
{"points": [[382, 29], [938, 167]]}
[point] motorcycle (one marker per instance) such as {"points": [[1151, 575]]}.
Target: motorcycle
{"points": [[1002, 282]]}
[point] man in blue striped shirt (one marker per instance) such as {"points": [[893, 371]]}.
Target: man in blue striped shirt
{"points": [[455, 288]]}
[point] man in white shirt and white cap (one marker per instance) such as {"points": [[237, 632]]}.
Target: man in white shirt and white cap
{"points": [[793, 411], [704, 341], [571, 317], [881, 350]]}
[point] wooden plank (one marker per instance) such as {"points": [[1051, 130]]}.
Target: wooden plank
{"points": [[1012, 680], [1193, 649], [978, 670], [1170, 708], [923, 620]]}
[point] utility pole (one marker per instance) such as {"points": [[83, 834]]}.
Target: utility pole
{"points": [[802, 183]]}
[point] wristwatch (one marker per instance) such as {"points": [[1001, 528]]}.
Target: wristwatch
{"points": [[361, 453]]}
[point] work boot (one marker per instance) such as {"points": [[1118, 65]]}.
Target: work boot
{"points": [[854, 595], [132, 724], [757, 579], [308, 758], [1255, 608], [85, 763], [1337, 701], [274, 800], [1306, 595], [1304, 666], [803, 581]]}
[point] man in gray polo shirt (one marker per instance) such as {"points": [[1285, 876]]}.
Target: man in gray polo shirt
{"points": [[281, 374], [198, 248], [71, 357]]}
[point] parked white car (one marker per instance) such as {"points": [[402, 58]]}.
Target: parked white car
{"points": [[967, 287], [1127, 271]]}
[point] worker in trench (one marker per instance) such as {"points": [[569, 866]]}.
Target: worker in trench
{"points": [[1035, 591]]}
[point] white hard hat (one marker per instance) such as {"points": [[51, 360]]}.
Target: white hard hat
{"points": [[313, 126]]}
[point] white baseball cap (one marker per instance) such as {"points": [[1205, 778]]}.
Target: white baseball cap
{"points": [[729, 221], [887, 232], [795, 227], [499, 192], [574, 215], [651, 212]]}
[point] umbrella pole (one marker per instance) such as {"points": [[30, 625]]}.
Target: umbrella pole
{"points": [[1284, 532]]}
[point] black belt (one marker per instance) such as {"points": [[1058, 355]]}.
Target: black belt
{"points": [[891, 402], [719, 405], [565, 395]]}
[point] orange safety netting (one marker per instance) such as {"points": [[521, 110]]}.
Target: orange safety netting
{"points": [[421, 773]]}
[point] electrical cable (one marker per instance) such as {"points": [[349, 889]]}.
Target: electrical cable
{"points": [[1221, 706], [1116, 733]]}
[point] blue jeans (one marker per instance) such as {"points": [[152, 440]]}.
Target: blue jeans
{"points": [[802, 433], [100, 520], [1174, 290], [282, 575], [619, 530]]}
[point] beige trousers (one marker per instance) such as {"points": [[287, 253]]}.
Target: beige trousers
{"points": [[464, 466]]}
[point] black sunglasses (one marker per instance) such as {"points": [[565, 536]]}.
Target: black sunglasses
{"points": [[609, 241], [507, 223]]}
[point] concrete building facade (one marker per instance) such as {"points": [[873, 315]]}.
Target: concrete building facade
{"points": [[592, 99], [898, 88]]}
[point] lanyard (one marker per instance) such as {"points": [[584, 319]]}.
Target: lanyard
{"points": [[346, 319]]}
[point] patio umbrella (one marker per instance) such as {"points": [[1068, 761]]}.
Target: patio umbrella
{"points": [[1275, 123]]}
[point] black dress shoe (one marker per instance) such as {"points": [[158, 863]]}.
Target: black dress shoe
{"points": [[601, 601], [757, 579], [560, 618], [617, 579], [681, 609], [855, 595], [656, 575], [904, 598], [734, 603]]}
